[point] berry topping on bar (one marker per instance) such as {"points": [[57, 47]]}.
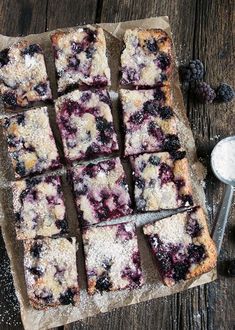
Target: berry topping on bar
{"points": [[86, 124], [182, 246], [161, 181], [101, 191], [147, 57], [51, 272], [22, 75], [80, 58], [39, 207], [112, 258], [149, 121], [30, 141]]}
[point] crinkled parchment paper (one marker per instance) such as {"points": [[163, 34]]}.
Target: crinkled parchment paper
{"points": [[153, 287]]}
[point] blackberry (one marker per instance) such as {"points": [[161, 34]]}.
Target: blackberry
{"points": [[32, 49], [204, 93], [4, 59], [9, 99], [152, 46], [103, 283], [192, 71], [224, 93]]}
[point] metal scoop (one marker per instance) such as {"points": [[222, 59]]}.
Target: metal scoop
{"points": [[229, 189]]}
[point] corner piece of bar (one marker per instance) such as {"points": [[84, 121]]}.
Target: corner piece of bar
{"points": [[182, 246]]}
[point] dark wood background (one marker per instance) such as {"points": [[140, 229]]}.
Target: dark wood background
{"points": [[201, 29]]}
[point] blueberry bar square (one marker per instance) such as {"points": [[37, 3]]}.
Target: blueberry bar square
{"points": [[147, 57], [86, 124], [39, 207], [101, 191], [80, 58], [162, 181], [112, 258], [182, 246], [30, 141], [51, 272], [23, 76], [149, 121]]}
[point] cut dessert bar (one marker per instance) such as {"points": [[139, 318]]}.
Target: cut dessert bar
{"points": [[51, 272], [112, 258], [23, 76], [182, 246], [147, 57], [31, 144], [149, 121], [80, 58], [101, 191], [162, 181], [86, 124], [39, 207]]}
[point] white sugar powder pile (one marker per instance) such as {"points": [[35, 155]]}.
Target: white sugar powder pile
{"points": [[224, 159]]}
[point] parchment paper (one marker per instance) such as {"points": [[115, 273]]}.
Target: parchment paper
{"points": [[153, 287]]}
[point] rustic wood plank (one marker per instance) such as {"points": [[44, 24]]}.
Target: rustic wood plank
{"points": [[70, 13], [22, 17], [213, 44]]}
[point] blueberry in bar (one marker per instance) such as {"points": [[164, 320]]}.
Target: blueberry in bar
{"points": [[162, 181], [147, 57], [80, 58], [23, 76], [101, 191], [30, 141], [86, 124], [39, 207], [112, 258], [149, 120], [51, 272], [182, 246]]}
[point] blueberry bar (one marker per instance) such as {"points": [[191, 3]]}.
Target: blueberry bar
{"points": [[149, 121], [147, 57], [39, 207], [182, 246], [51, 272], [162, 181], [80, 58], [30, 141], [101, 191], [23, 76], [112, 258], [86, 124]]}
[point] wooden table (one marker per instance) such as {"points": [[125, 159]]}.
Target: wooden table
{"points": [[201, 29]]}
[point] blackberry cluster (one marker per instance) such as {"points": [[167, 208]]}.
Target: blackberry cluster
{"points": [[224, 93], [191, 75], [204, 93], [192, 71]]}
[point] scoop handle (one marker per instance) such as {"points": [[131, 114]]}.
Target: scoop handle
{"points": [[222, 218]]}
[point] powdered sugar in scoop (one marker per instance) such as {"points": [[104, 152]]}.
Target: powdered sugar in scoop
{"points": [[223, 159]]}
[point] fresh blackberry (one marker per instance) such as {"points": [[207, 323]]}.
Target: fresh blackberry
{"points": [[224, 93], [192, 71], [204, 93]]}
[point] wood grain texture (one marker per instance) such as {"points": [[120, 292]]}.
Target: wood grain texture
{"points": [[200, 29], [70, 13]]}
